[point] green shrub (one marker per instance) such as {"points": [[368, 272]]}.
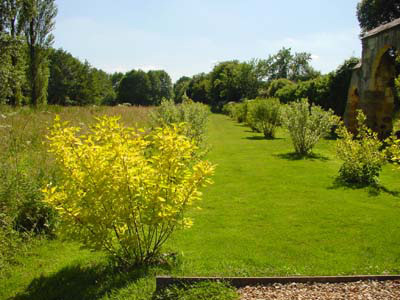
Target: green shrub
{"points": [[264, 116], [199, 291], [278, 84], [287, 93], [240, 111], [307, 124], [228, 109], [361, 154], [193, 114]]}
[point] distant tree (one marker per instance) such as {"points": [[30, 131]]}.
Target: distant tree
{"points": [[284, 64], [39, 20], [372, 13], [102, 84], [198, 88], [72, 82], [116, 79], [135, 88], [64, 78], [180, 88], [166, 85], [232, 81], [161, 86]]}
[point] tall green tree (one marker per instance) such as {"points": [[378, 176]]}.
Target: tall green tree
{"points": [[39, 16], [199, 88], [135, 88], [180, 88], [116, 79], [72, 82], [233, 81], [372, 13], [12, 60], [285, 64], [161, 86]]}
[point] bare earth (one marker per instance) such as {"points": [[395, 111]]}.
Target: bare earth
{"points": [[361, 290]]}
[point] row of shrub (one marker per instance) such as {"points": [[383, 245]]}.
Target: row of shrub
{"points": [[194, 115], [362, 153], [306, 122]]}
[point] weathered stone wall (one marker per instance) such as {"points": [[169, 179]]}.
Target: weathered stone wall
{"points": [[372, 84]]}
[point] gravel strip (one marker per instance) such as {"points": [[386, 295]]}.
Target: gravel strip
{"points": [[361, 290]]}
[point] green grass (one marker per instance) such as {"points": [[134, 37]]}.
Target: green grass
{"points": [[268, 213]]}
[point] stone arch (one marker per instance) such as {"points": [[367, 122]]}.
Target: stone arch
{"points": [[373, 79], [381, 93], [353, 103]]}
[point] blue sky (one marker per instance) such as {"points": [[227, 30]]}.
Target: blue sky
{"points": [[186, 37]]}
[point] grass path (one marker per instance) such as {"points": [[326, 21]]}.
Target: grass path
{"points": [[270, 214], [266, 214]]}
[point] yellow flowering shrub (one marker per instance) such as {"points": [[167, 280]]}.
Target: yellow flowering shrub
{"points": [[122, 190], [361, 153]]}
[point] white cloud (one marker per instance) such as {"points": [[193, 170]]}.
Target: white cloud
{"points": [[315, 57]]}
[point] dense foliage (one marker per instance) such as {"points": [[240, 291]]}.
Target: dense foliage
{"points": [[124, 191], [306, 124], [284, 64], [25, 37], [328, 91], [372, 13], [72, 82], [180, 87], [263, 115], [228, 81], [140, 88], [361, 154], [237, 111], [194, 117]]}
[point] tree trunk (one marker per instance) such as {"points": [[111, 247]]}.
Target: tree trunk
{"points": [[32, 63]]}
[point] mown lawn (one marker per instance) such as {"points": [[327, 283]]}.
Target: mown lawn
{"points": [[268, 213]]}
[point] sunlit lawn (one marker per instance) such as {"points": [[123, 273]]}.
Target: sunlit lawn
{"points": [[268, 213]]}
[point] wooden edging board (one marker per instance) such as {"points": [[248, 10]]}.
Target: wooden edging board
{"points": [[164, 281]]}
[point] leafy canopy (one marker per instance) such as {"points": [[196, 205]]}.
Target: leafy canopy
{"points": [[372, 13]]}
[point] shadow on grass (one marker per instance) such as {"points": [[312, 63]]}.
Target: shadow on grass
{"points": [[374, 190], [250, 131], [260, 138], [82, 282], [296, 156]]}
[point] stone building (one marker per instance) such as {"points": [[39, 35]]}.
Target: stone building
{"points": [[372, 83]]}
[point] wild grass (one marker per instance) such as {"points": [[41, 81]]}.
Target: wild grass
{"points": [[26, 166], [269, 213]]}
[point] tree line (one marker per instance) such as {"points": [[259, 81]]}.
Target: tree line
{"points": [[32, 72]]}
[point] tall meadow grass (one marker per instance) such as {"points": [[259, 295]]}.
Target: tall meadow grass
{"points": [[26, 166]]}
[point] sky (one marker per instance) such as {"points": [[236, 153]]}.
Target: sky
{"points": [[187, 37]]}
